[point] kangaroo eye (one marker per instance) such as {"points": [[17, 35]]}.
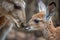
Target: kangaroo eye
{"points": [[36, 21]]}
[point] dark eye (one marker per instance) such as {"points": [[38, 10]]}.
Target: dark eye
{"points": [[17, 6], [36, 21]]}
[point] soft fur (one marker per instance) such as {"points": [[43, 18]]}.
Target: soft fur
{"points": [[11, 12], [48, 30]]}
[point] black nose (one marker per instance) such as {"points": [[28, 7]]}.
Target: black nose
{"points": [[22, 25], [27, 28], [17, 6]]}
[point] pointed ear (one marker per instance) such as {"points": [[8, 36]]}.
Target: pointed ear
{"points": [[48, 15], [42, 10], [42, 6]]}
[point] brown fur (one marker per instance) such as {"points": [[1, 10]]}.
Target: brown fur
{"points": [[47, 27], [11, 12], [39, 15], [3, 21]]}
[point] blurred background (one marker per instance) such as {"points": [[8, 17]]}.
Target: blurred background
{"points": [[30, 9]]}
